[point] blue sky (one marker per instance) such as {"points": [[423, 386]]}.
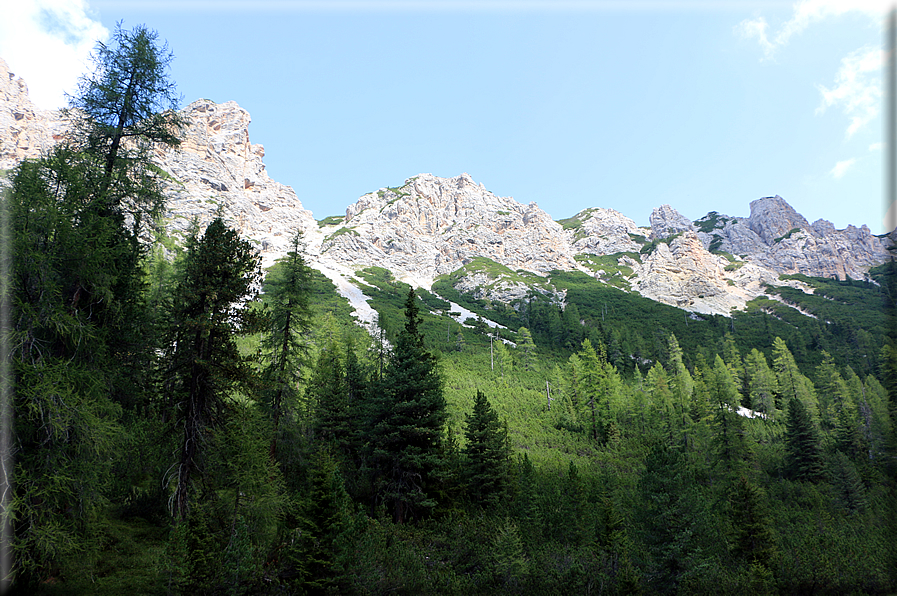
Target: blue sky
{"points": [[571, 104]]}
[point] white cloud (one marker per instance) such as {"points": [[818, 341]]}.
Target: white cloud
{"points": [[876, 146], [857, 90], [751, 28], [805, 13], [842, 166], [48, 44]]}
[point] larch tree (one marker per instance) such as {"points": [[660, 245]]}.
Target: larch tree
{"points": [[82, 345], [525, 343], [762, 384], [287, 288]]}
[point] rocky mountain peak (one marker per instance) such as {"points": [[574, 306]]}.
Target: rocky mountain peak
{"points": [[217, 166], [666, 221], [432, 225], [773, 217]]}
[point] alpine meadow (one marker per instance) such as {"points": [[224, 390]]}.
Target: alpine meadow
{"points": [[439, 391]]}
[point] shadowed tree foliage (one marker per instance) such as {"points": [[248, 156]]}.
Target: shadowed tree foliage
{"points": [[407, 423], [203, 364], [487, 454], [82, 345], [803, 457]]}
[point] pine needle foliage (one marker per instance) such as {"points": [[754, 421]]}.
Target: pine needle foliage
{"points": [[203, 363], [487, 455]]}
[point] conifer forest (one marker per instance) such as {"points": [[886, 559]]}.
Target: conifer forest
{"points": [[184, 422]]}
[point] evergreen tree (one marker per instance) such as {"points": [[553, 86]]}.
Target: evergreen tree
{"points": [[803, 456], [327, 396], [790, 381], [287, 289], [681, 382], [203, 364], [731, 443], [127, 98], [670, 517], [762, 384], [682, 386], [82, 344], [753, 537], [502, 357], [832, 390], [525, 343], [596, 387], [735, 363], [487, 455], [407, 423], [319, 554]]}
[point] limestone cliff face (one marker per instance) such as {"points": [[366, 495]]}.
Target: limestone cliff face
{"points": [[779, 238], [683, 273], [25, 131], [217, 166], [432, 225]]}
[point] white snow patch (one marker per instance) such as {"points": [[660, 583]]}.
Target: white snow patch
{"points": [[466, 314], [742, 411], [367, 316]]}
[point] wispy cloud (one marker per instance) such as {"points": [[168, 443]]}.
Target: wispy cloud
{"points": [[857, 89], [805, 14], [876, 146], [842, 167], [48, 43]]}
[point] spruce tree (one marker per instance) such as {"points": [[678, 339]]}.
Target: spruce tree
{"points": [[408, 416], [487, 455], [210, 310], [803, 455], [753, 538]]}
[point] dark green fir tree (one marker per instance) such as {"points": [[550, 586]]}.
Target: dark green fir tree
{"points": [[487, 455], [407, 420]]}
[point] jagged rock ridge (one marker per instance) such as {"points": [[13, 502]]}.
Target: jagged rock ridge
{"points": [[217, 167], [431, 226]]}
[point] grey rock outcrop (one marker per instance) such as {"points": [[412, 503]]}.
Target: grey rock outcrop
{"points": [[772, 218], [604, 231], [25, 131], [779, 238], [666, 221], [684, 274], [215, 167], [432, 225]]}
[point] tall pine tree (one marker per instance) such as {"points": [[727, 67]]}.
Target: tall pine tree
{"points": [[487, 454], [203, 363], [408, 416]]}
